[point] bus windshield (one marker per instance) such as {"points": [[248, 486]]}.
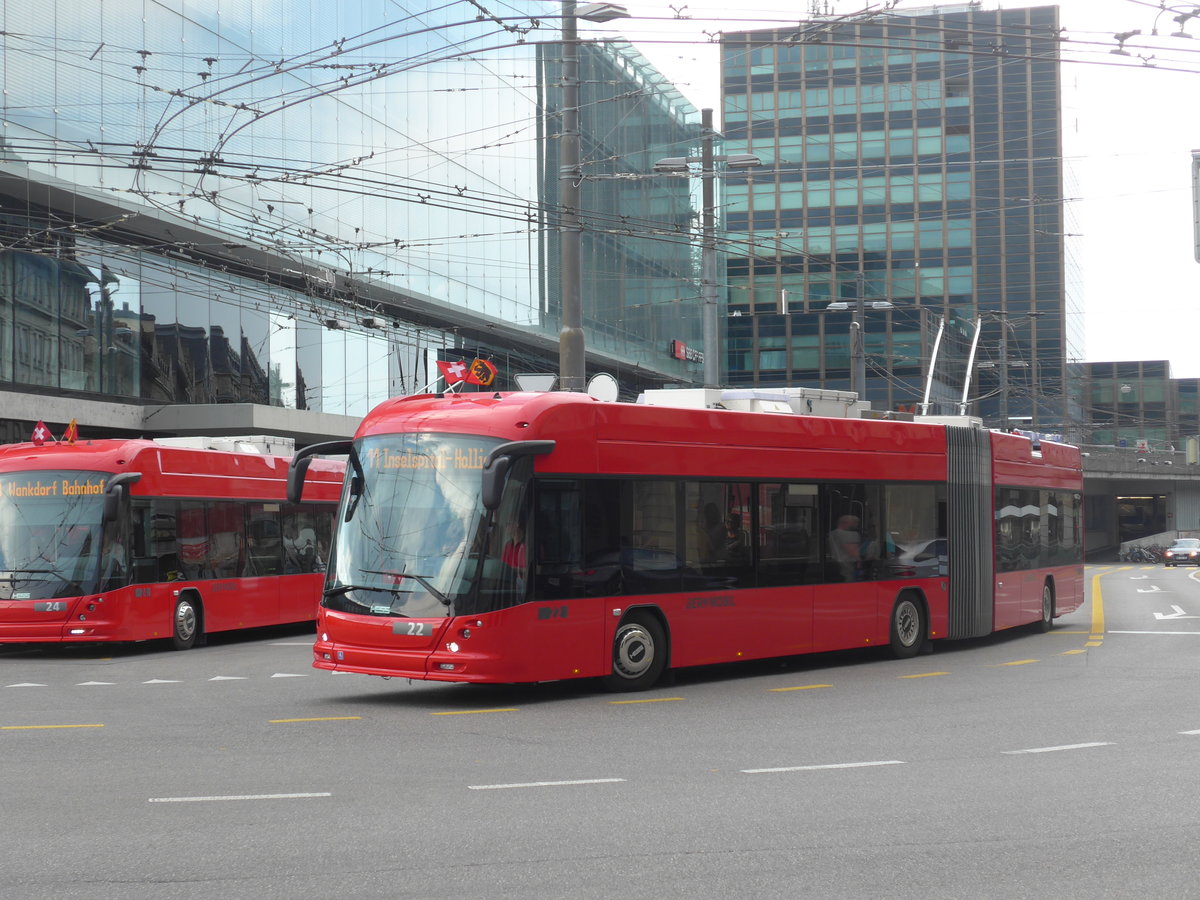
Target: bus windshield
{"points": [[50, 533], [409, 534]]}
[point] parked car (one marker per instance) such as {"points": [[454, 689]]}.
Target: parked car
{"points": [[923, 559], [1184, 552]]}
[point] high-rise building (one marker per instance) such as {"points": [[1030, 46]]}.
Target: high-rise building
{"points": [[917, 166], [266, 218]]}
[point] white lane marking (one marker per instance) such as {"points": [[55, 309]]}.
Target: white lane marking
{"points": [[854, 765], [237, 797], [90, 683], [1197, 731], [27, 684], [228, 678], [529, 784], [1152, 632], [1063, 747], [1179, 613], [162, 681], [289, 675]]}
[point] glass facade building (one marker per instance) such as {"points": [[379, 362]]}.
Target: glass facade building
{"points": [[917, 158], [303, 205], [1138, 404]]}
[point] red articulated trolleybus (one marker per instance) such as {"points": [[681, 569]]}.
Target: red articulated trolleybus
{"points": [[539, 536], [129, 540]]}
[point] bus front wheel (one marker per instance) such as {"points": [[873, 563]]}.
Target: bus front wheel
{"points": [[908, 627], [639, 654], [186, 625]]}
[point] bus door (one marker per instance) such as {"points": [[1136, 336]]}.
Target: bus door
{"points": [[575, 567], [846, 608]]}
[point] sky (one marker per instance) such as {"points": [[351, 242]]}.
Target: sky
{"points": [[1129, 126]]}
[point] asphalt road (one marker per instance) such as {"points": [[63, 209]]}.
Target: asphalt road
{"points": [[1022, 765]]}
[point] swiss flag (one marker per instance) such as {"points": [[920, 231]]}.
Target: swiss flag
{"points": [[41, 434], [453, 371]]}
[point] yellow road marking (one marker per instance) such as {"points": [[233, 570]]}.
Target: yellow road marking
{"points": [[923, 675], [1017, 662], [1097, 607], [1093, 643], [647, 700], [317, 719], [1069, 652], [474, 712], [42, 727], [801, 687]]}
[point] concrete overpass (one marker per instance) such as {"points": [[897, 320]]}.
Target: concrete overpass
{"points": [[1130, 496]]}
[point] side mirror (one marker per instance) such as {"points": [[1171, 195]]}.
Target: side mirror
{"points": [[493, 480], [300, 461], [115, 491], [499, 461]]}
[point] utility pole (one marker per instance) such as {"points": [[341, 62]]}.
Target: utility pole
{"points": [[708, 256], [571, 355], [708, 238], [858, 349], [1003, 316]]}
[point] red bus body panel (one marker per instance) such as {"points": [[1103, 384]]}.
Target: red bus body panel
{"points": [[144, 611], [1018, 595]]}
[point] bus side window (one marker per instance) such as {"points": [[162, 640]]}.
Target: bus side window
{"points": [[193, 541], [227, 554], [264, 545], [301, 545], [650, 560], [788, 546], [145, 568], [601, 575], [557, 563], [164, 539]]}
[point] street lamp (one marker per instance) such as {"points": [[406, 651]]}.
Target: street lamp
{"points": [[858, 348], [571, 360], [708, 247]]}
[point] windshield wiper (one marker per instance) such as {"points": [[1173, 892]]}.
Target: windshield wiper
{"points": [[8, 574], [343, 589], [422, 580]]}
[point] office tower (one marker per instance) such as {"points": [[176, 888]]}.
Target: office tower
{"points": [[917, 165]]}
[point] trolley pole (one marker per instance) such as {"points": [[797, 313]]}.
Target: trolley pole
{"points": [[571, 351]]}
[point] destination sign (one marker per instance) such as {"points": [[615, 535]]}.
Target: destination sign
{"points": [[42, 486], [447, 458]]}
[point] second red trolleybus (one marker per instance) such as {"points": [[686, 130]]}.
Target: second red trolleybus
{"points": [[129, 540], [540, 536]]}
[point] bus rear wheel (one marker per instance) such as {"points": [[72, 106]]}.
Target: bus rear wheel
{"points": [[186, 624], [1047, 620], [639, 654], [908, 627]]}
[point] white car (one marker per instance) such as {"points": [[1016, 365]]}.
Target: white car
{"points": [[1184, 552], [924, 559]]}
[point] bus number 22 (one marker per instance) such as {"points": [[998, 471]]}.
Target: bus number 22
{"points": [[414, 629]]}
